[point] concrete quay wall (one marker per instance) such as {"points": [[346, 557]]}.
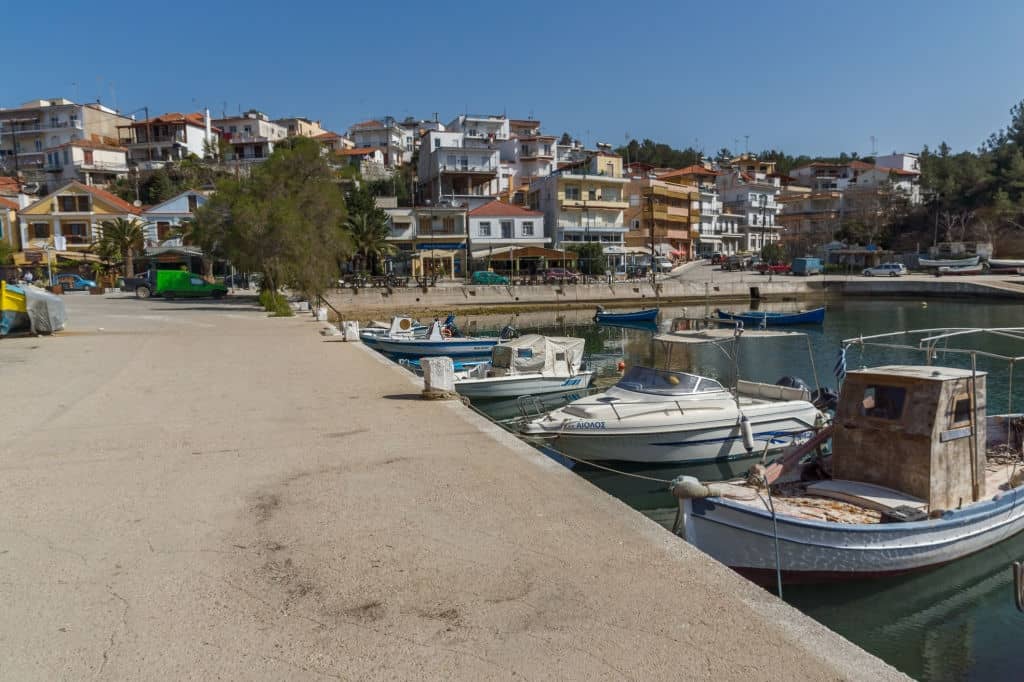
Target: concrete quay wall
{"points": [[576, 295]]}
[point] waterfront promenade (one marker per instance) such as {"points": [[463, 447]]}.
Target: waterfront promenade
{"points": [[694, 283], [193, 490]]}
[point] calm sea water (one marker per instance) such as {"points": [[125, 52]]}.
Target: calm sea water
{"points": [[956, 622]]}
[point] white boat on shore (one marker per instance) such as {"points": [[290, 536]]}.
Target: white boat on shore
{"points": [[529, 365], [948, 262], [920, 476], [1005, 264]]}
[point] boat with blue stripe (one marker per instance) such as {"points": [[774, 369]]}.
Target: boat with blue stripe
{"points": [[13, 309], [646, 315], [759, 318]]}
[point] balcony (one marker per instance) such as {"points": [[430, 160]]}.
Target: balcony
{"points": [[109, 166], [615, 204], [467, 168], [41, 127]]}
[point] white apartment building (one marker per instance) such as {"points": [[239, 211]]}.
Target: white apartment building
{"points": [[529, 155], [252, 135], [455, 167], [92, 163], [153, 142], [30, 129], [753, 198], [395, 141], [586, 203], [481, 127], [497, 225]]}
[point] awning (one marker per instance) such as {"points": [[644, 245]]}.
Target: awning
{"points": [[434, 253], [440, 246], [492, 251], [38, 258]]}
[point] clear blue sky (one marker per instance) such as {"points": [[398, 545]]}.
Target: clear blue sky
{"points": [[806, 77]]}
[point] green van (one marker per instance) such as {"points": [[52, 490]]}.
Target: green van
{"points": [[174, 283]]}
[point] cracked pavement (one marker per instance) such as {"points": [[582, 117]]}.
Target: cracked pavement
{"points": [[193, 490]]}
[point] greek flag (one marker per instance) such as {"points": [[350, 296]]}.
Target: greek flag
{"points": [[840, 368]]}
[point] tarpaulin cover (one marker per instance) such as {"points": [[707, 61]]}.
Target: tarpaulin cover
{"points": [[46, 312]]}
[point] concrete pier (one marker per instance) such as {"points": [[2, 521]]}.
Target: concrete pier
{"points": [[194, 490]]}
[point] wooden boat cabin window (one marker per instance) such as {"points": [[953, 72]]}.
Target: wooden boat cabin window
{"points": [[961, 410], [883, 402]]}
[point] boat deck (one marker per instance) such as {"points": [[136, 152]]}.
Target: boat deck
{"points": [[793, 499]]}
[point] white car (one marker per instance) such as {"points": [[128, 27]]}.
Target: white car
{"points": [[886, 270], [663, 264]]}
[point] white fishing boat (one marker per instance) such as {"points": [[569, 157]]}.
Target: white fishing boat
{"points": [[948, 262], [401, 327], [441, 338], [529, 365], [978, 269], [920, 476], [662, 416]]}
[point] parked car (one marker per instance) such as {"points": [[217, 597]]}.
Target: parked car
{"points": [[488, 277], [738, 262], [72, 282], [143, 280], [175, 283], [717, 258], [552, 275], [663, 264], [774, 268], [886, 270], [237, 281]]}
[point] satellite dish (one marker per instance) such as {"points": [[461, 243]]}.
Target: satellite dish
{"points": [[136, 203]]}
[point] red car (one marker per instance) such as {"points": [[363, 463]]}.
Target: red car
{"points": [[774, 268], [552, 275]]}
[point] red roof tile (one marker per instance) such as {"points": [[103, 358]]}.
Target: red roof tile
{"points": [[7, 203], [359, 151], [689, 170], [9, 185], [109, 198], [499, 208], [368, 124]]}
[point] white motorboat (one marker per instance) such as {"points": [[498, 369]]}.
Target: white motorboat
{"points": [[918, 476], [401, 327], [948, 262], [661, 416], [530, 365]]}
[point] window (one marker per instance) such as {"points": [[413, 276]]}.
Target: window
{"points": [[73, 204], [547, 150], [67, 157], [39, 145], [449, 224], [507, 229], [162, 230], [451, 160], [592, 194], [196, 281], [883, 402], [524, 149], [40, 230], [572, 193], [75, 233], [485, 229], [193, 203], [961, 410], [528, 228], [87, 153], [437, 143]]}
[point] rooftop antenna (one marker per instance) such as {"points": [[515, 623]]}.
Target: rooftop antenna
{"points": [[874, 146], [74, 85], [746, 144], [113, 96], [224, 109]]}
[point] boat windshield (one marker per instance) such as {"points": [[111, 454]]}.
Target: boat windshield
{"points": [[663, 382]]}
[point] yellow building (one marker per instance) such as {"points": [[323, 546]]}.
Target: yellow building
{"points": [[585, 202], [671, 209], [748, 163], [76, 213]]}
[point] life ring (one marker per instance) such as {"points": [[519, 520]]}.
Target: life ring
{"points": [[446, 332]]}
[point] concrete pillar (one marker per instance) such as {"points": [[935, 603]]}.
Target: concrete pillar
{"points": [[438, 378]]}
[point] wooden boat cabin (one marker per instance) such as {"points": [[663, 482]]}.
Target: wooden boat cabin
{"points": [[915, 429]]}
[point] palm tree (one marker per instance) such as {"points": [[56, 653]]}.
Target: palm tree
{"points": [[124, 237], [369, 233]]}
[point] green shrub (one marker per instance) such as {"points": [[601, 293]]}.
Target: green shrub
{"points": [[275, 304]]}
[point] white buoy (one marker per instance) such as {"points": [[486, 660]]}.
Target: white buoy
{"points": [[747, 432]]}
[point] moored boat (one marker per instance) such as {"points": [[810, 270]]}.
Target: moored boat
{"points": [[758, 318], [13, 309], [978, 269], [646, 315], [529, 365], [662, 416], [441, 338], [919, 476]]}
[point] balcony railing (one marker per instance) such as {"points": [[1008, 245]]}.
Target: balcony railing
{"points": [[466, 168], [39, 127]]}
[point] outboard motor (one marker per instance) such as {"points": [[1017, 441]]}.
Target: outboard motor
{"points": [[508, 332], [793, 382], [825, 399]]}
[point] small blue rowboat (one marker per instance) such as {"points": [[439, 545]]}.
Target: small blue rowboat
{"points": [[648, 315], [757, 318]]}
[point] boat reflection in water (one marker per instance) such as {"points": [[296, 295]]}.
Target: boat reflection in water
{"points": [[932, 625]]}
